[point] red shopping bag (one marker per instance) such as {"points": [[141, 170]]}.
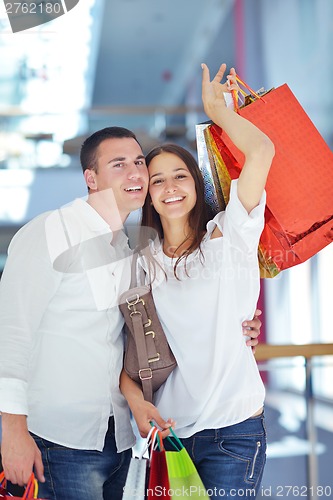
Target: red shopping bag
{"points": [[31, 490], [299, 210], [172, 473], [158, 485]]}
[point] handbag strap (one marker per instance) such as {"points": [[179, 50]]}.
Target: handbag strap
{"points": [[144, 341], [145, 372], [134, 279]]}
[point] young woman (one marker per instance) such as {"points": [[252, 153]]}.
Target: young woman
{"points": [[206, 282]]}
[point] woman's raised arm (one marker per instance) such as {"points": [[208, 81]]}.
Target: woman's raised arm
{"points": [[256, 146]]}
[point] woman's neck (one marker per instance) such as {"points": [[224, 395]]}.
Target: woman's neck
{"points": [[177, 237]]}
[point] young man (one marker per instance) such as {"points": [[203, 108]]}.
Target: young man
{"points": [[60, 335]]}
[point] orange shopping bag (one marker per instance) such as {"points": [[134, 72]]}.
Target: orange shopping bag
{"points": [[299, 210]]}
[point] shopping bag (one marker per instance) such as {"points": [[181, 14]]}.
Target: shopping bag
{"points": [[3, 485], [184, 479], [299, 210], [31, 490], [135, 485], [158, 485]]}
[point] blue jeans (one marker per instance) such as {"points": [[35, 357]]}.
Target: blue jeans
{"points": [[73, 474], [230, 460]]}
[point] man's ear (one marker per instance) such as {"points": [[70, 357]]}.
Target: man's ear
{"points": [[90, 178]]}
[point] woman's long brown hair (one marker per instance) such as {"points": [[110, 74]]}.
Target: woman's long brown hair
{"points": [[200, 213]]}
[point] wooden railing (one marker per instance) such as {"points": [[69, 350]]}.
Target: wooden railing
{"points": [[269, 351], [265, 352]]}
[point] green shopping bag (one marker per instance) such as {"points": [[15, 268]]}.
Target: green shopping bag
{"points": [[184, 479]]}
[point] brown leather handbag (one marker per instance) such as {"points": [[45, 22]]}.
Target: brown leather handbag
{"points": [[148, 358]]}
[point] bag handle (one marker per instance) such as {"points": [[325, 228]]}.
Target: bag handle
{"points": [[178, 445], [31, 490], [178, 441], [148, 441], [235, 93], [157, 440], [153, 441]]}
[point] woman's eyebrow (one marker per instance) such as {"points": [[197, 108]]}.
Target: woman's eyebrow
{"points": [[155, 175], [175, 170]]}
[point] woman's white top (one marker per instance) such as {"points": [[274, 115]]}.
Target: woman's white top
{"points": [[216, 382]]}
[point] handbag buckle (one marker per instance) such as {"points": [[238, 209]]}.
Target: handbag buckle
{"points": [[135, 312], [156, 358], [132, 303], [147, 377]]}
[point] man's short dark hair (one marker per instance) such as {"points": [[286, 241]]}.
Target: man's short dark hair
{"points": [[89, 147]]}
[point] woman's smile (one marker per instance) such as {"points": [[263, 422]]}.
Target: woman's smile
{"points": [[173, 199]]}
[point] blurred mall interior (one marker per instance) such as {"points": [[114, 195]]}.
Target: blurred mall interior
{"points": [[136, 63]]}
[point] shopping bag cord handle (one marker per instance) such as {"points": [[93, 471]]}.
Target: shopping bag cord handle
{"points": [[178, 445], [249, 88], [178, 441], [32, 488]]}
